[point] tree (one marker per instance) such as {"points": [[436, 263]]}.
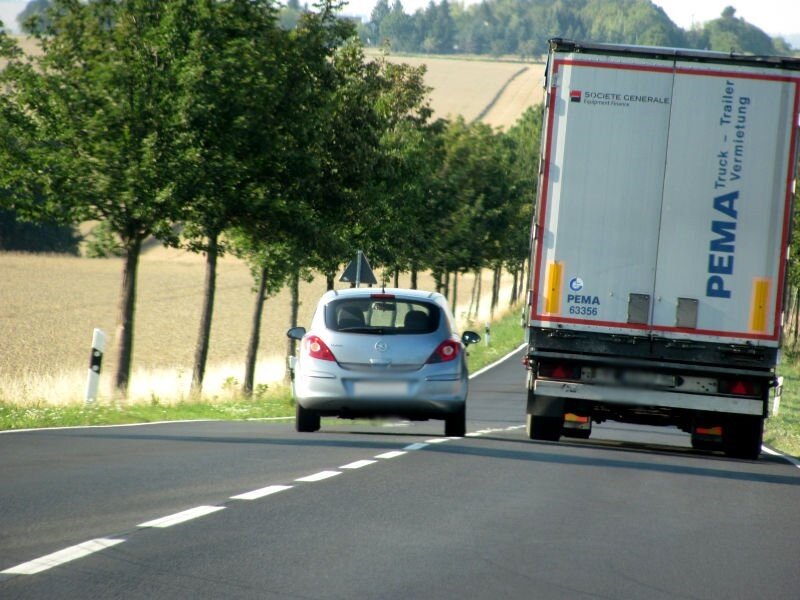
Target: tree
{"points": [[229, 88], [91, 129]]}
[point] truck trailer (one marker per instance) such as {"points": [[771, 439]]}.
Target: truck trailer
{"points": [[660, 241]]}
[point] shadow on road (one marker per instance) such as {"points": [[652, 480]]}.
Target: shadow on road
{"points": [[537, 452]]}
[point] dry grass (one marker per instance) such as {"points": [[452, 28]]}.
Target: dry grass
{"points": [[49, 306]]}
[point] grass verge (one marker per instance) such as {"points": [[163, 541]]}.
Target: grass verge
{"points": [[782, 431]]}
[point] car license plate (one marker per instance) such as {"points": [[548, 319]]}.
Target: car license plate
{"points": [[380, 388]]}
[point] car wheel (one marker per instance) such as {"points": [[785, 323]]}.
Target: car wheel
{"points": [[305, 420], [456, 425]]}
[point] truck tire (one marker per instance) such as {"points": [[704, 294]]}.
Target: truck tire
{"points": [[742, 436], [544, 428], [305, 420]]}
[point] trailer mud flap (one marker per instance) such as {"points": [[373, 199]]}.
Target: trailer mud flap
{"points": [[545, 406]]}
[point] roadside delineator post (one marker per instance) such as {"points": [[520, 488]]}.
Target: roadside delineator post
{"points": [[95, 362]]}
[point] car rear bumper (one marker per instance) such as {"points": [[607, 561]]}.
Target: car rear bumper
{"points": [[432, 395]]}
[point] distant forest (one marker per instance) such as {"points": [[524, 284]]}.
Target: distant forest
{"points": [[522, 27]]}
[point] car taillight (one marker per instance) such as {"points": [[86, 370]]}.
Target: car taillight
{"points": [[382, 296], [316, 348], [559, 371], [446, 351]]}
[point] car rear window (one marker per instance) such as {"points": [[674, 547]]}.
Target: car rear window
{"points": [[382, 315]]}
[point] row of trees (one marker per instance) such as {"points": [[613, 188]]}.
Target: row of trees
{"points": [[207, 125], [522, 27]]}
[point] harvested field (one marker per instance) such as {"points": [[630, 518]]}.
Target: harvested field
{"points": [[496, 91]]}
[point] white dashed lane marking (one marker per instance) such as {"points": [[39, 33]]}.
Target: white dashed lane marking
{"points": [[392, 454], [265, 491], [319, 476], [62, 556], [90, 547], [182, 517], [358, 464]]}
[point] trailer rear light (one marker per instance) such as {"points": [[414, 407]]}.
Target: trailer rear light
{"points": [[573, 418], [316, 348], [740, 387], [559, 371], [709, 431], [446, 351]]}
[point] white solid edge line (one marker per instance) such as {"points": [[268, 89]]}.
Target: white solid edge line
{"points": [[319, 476], [358, 464], [498, 361], [32, 429], [260, 493], [62, 556], [392, 454], [785, 457], [182, 517]]}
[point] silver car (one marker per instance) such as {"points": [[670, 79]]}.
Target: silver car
{"points": [[381, 353]]}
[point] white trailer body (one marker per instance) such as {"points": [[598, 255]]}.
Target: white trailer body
{"points": [[660, 240]]}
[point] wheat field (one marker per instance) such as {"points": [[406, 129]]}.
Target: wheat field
{"points": [[50, 305]]}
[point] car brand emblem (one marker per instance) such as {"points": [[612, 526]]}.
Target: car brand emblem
{"points": [[381, 346]]}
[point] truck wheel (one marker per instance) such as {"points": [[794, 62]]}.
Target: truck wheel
{"points": [[544, 428], [305, 420], [742, 436], [456, 425]]}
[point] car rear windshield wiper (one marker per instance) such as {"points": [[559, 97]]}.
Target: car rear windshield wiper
{"points": [[373, 330]]}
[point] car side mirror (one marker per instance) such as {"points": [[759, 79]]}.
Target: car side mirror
{"points": [[470, 337], [296, 333]]}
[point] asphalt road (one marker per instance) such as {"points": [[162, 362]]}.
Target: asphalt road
{"points": [[392, 510]]}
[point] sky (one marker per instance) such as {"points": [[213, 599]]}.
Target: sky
{"points": [[776, 17]]}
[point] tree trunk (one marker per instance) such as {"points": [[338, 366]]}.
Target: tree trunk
{"points": [[414, 278], [294, 290], [255, 336], [495, 289], [514, 294], [796, 315], [455, 292], [330, 280], [126, 315], [397, 278], [478, 291], [206, 315]]}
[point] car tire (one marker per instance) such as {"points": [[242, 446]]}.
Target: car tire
{"points": [[455, 425], [305, 420]]}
